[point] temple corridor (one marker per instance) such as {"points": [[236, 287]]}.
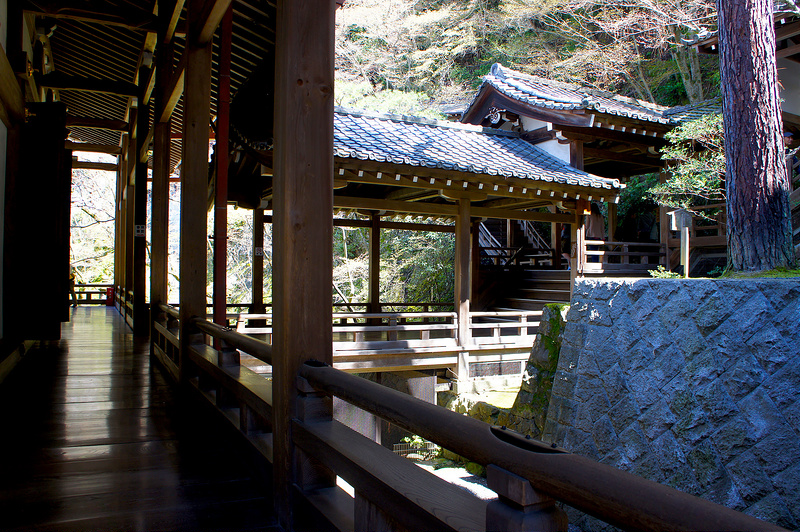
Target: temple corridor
{"points": [[94, 438]]}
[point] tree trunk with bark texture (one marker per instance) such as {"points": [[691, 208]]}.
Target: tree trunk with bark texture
{"points": [[759, 230]]}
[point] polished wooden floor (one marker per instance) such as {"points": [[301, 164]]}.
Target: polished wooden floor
{"points": [[93, 438]]}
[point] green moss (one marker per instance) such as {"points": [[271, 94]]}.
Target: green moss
{"points": [[476, 469], [777, 273], [552, 340]]}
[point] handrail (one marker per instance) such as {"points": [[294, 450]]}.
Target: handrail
{"points": [[615, 496], [486, 239], [256, 348], [533, 236], [169, 310]]}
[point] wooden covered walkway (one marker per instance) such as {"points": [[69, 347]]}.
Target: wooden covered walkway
{"points": [[95, 439]]}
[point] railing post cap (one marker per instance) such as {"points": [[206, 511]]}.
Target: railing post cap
{"points": [[514, 487]]}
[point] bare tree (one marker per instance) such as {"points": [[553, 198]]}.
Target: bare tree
{"points": [[757, 185], [617, 31]]}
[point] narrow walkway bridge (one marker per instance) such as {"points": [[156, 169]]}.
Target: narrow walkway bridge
{"points": [[95, 439]]}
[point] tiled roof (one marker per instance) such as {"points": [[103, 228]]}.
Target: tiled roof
{"points": [[540, 92], [446, 145], [685, 113]]}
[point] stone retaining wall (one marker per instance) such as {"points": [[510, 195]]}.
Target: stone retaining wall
{"points": [[691, 383]]}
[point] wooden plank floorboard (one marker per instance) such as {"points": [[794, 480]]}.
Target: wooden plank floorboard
{"points": [[94, 438]]}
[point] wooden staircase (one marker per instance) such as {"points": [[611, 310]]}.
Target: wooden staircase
{"points": [[524, 278], [536, 289]]}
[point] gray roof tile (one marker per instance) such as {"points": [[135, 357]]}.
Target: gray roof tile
{"points": [[685, 113], [433, 144], [550, 94]]}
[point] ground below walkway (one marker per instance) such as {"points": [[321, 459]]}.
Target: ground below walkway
{"points": [[93, 438]]}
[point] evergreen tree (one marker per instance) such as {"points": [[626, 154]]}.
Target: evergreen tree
{"points": [[757, 185]]}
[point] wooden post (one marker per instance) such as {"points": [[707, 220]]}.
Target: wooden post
{"points": [[685, 250], [130, 217], [476, 267], [127, 196], [222, 151], [141, 326], [612, 221], [194, 180], [302, 220], [119, 228], [462, 282], [520, 507], [374, 298], [159, 235], [258, 262]]}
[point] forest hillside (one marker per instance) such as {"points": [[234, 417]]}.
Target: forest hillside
{"points": [[424, 56]]}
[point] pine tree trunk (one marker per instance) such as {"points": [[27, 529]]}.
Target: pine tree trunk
{"points": [[757, 187]]}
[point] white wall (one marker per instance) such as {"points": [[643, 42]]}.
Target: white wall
{"points": [[553, 147]]}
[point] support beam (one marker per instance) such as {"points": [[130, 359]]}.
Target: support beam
{"points": [[302, 228], [463, 284], [211, 16], [194, 184], [174, 91], [374, 297], [88, 165], [141, 324], [59, 80], [258, 262], [97, 123], [159, 214], [643, 160], [120, 16], [438, 209], [172, 17], [221, 186], [92, 148]]}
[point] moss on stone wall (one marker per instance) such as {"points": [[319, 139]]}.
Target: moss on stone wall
{"points": [[529, 411]]}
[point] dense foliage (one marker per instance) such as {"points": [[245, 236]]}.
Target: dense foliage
{"points": [[439, 49], [696, 157]]}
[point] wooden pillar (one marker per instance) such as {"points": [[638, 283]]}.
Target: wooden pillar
{"points": [[462, 284], [159, 236], [576, 154], [222, 151], [127, 196], [475, 260], [194, 180], [374, 298], [258, 262], [119, 228], [302, 220], [612, 221], [664, 226], [141, 326]]}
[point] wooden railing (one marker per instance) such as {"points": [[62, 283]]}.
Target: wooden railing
{"points": [[388, 330], [92, 293], [707, 236], [392, 493], [603, 256]]}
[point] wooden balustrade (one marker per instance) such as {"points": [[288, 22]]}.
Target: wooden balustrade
{"points": [[605, 256], [375, 331], [617, 497], [391, 493], [92, 293]]}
